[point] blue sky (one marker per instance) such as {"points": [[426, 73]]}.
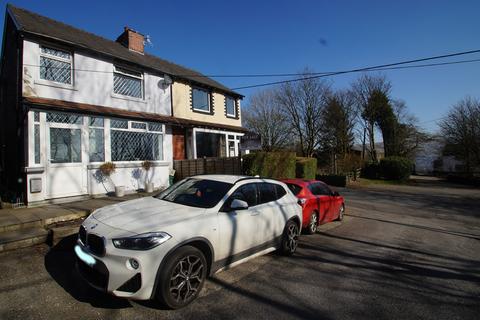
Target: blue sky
{"points": [[226, 37]]}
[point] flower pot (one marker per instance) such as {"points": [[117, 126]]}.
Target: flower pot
{"points": [[149, 187], [119, 191]]}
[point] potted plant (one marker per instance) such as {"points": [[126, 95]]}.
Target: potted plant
{"points": [[107, 169], [147, 165]]}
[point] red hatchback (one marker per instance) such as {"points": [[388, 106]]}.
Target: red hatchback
{"points": [[320, 204]]}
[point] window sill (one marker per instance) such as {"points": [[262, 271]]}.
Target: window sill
{"points": [[54, 85], [231, 116], [202, 111], [127, 98], [130, 164]]}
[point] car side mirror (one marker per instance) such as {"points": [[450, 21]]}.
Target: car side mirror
{"points": [[336, 194], [238, 205]]}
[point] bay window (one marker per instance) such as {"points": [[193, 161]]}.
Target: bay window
{"points": [[96, 140], [210, 145], [135, 141]]}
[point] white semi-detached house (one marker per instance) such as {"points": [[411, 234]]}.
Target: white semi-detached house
{"points": [[71, 101]]}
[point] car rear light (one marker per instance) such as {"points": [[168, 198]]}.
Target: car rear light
{"points": [[301, 201]]}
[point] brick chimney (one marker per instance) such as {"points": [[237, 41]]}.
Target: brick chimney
{"points": [[132, 40]]}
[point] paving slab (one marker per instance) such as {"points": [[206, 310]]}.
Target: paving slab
{"points": [[22, 238], [8, 220]]}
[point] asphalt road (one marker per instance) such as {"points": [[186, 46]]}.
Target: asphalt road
{"points": [[401, 253]]}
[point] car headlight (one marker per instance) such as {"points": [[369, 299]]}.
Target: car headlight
{"points": [[143, 241]]}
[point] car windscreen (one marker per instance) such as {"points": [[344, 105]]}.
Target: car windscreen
{"points": [[295, 188], [200, 193]]}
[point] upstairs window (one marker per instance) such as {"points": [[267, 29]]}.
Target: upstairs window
{"points": [[128, 83], [55, 65], [230, 107], [200, 100]]}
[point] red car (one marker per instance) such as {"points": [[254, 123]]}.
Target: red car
{"points": [[320, 204]]}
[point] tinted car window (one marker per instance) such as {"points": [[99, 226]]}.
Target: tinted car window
{"points": [[267, 192], [247, 193], [319, 189], [196, 192], [314, 189], [280, 191], [325, 190], [294, 188]]}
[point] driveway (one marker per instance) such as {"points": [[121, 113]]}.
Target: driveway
{"points": [[402, 252]]}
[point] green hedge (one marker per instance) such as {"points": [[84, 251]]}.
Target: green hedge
{"points": [[336, 180], [371, 170], [269, 164], [390, 168], [306, 168], [395, 168]]}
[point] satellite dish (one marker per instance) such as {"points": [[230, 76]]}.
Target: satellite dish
{"points": [[165, 82]]}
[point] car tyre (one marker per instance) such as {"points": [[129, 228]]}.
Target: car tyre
{"points": [[182, 277], [312, 224], [341, 213], [289, 238]]}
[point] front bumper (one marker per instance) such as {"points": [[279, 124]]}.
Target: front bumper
{"points": [[114, 274]]}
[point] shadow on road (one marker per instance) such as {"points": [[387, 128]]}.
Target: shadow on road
{"points": [[60, 264], [453, 233]]}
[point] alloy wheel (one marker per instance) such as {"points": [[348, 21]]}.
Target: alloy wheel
{"points": [[186, 278], [313, 223], [340, 214], [292, 240]]}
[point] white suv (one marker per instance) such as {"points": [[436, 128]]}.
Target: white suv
{"points": [[163, 247]]}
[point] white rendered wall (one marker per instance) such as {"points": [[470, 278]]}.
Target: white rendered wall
{"points": [[133, 177], [92, 87]]}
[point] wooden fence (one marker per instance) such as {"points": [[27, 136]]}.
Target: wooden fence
{"points": [[192, 167]]}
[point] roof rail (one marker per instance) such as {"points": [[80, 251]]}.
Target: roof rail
{"points": [[248, 178]]}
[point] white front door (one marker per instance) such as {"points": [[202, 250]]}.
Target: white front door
{"points": [[66, 157]]}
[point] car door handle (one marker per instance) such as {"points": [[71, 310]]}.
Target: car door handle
{"points": [[254, 213]]}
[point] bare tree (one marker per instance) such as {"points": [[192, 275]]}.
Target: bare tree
{"points": [[264, 116], [461, 130], [304, 102], [410, 137], [362, 90], [338, 124]]}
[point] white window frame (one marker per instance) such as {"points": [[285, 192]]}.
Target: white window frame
{"points": [[236, 138], [52, 57], [90, 126], [209, 100], [117, 69], [234, 115], [130, 129]]}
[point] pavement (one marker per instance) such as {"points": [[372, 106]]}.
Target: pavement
{"points": [[53, 213], [402, 252], [25, 227]]}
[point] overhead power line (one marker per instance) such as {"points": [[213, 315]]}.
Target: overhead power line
{"points": [[375, 68], [265, 75], [279, 74]]}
